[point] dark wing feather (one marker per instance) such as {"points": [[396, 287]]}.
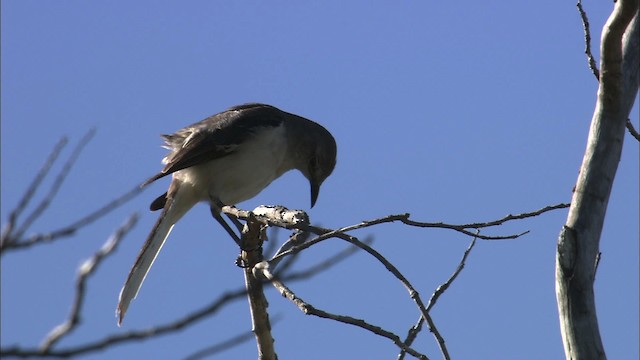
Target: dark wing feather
{"points": [[159, 202], [216, 136]]}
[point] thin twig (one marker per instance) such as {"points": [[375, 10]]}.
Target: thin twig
{"points": [[411, 336], [85, 270], [501, 221], [632, 130], [587, 41], [309, 309], [323, 265], [414, 330], [298, 237], [72, 228], [7, 236], [130, 336], [415, 296], [404, 218], [137, 335], [442, 288], [57, 183]]}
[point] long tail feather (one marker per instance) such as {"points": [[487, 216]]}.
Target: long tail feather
{"points": [[175, 207]]}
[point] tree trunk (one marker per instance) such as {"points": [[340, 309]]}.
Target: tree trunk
{"points": [[578, 243]]}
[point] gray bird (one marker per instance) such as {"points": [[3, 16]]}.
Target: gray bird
{"points": [[225, 159]]}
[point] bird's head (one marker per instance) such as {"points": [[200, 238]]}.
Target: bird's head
{"points": [[321, 165], [317, 160]]}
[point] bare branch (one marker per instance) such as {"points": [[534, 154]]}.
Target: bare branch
{"points": [[87, 268], [72, 228], [411, 336], [57, 183], [130, 336], [463, 228], [12, 237], [311, 310], [442, 288], [293, 247], [7, 236], [415, 296], [301, 224], [151, 332], [251, 243], [404, 218], [587, 41], [632, 130], [321, 266], [579, 240], [286, 219], [413, 332]]}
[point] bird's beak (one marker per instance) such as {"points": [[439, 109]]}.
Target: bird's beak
{"points": [[315, 190]]}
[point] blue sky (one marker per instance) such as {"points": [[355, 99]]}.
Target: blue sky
{"points": [[455, 112]]}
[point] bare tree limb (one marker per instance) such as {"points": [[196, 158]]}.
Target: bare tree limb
{"points": [[154, 331], [578, 243], [414, 330], [72, 228], [85, 270], [252, 255], [411, 336], [404, 218], [413, 293], [321, 266], [439, 291], [288, 219], [130, 336], [415, 296], [291, 219], [261, 270], [299, 222], [587, 41], [12, 233], [57, 183], [7, 231], [309, 309], [442, 288], [632, 130]]}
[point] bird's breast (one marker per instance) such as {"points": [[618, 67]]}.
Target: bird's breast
{"points": [[244, 173]]}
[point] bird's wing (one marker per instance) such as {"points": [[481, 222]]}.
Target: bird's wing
{"points": [[216, 136]]}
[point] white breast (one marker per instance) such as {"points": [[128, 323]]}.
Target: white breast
{"points": [[243, 174]]}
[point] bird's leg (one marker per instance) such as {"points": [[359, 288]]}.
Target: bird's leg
{"points": [[216, 209], [235, 221]]}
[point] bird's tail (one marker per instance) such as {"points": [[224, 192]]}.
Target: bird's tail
{"points": [[175, 207]]}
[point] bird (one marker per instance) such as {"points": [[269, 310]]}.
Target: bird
{"points": [[225, 159]]}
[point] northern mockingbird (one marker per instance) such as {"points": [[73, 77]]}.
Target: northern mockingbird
{"points": [[225, 159]]}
